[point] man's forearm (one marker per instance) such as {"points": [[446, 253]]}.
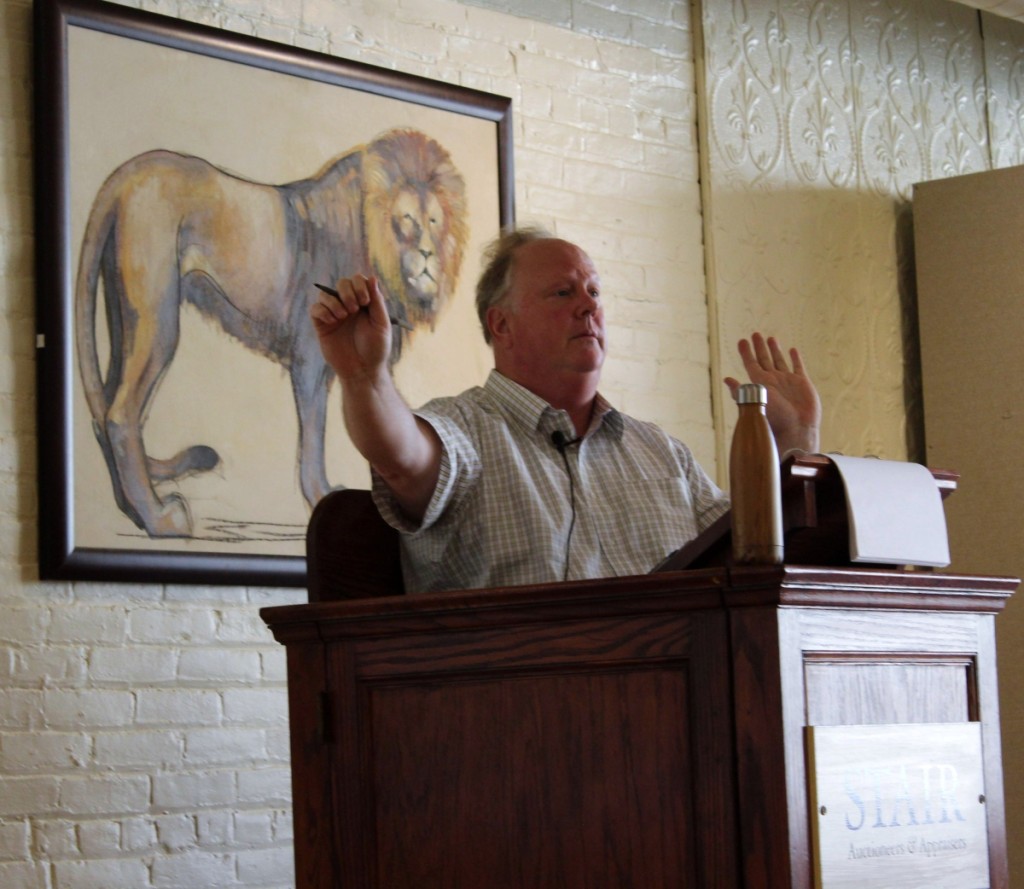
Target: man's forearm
{"points": [[404, 450]]}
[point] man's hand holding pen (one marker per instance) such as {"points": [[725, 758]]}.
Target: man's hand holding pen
{"points": [[394, 319], [354, 327]]}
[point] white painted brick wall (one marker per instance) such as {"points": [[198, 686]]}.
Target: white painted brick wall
{"points": [[143, 729], [14, 840]]}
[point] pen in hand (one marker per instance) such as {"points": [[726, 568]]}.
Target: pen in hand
{"points": [[405, 325]]}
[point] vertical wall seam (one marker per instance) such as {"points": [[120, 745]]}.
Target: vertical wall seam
{"points": [[703, 125]]}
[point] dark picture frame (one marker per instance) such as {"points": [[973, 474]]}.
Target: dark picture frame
{"points": [[65, 553]]}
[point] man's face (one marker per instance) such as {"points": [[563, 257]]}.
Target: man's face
{"points": [[551, 320]]}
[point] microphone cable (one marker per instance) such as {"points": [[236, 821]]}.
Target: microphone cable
{"points": [[561, 444]]}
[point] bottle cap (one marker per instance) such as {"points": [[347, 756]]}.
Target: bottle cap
{"points": [[752, 393]]}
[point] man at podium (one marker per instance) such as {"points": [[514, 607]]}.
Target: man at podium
{"points": [[532, 477]]}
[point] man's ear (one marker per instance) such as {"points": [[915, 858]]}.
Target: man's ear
{"points": [[497, 323]]}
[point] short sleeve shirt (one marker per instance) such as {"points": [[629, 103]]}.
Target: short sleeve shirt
{"points": [[512, 508]]}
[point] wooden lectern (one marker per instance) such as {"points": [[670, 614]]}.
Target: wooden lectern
{"points": [[633, 732]]}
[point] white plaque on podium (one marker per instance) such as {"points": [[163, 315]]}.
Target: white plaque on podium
{"points": [[898, 805]]}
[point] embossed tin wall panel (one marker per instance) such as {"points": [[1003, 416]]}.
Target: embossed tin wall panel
{"points": [[1004, 67], [821, 116]]}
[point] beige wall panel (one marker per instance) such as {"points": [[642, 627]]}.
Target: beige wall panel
{"points": [[970, 271]]}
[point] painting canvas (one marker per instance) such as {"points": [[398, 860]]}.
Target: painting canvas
{"points": [[198, 200]]}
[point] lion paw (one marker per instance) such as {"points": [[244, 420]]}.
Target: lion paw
{"points": [[173, 518]]}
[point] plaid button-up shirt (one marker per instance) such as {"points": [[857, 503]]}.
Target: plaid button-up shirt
{"points": [[507, 498]]}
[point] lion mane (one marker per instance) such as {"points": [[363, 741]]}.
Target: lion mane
{"points": [[167, 228], [413, 229], [415, 200]]}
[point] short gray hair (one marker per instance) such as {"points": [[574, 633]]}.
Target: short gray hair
{"points": [[496, 277]]}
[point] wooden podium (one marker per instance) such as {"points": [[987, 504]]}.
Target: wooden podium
{"points": [[633, 732]]}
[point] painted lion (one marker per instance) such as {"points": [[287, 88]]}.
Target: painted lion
{"points": [[166, 228]]}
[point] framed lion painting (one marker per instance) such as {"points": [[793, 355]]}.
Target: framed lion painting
{"points": [[192, 187]]}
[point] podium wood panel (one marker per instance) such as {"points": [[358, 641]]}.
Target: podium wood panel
{"points": [[549, 754], [528, 798], [812, 647]]}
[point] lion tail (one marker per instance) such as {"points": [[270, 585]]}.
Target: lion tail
{"points": [[98, 262], [97, 259]]}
